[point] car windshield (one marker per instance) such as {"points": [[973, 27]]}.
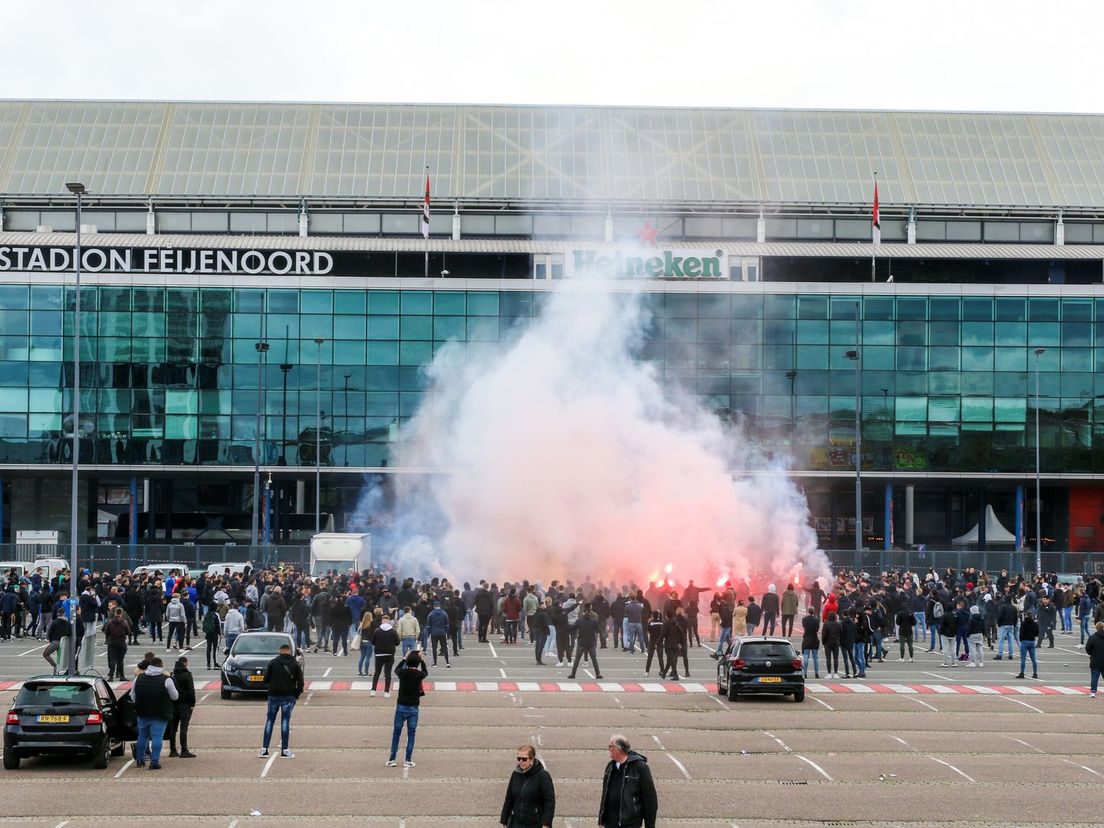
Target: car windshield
{"points": [[755, 650], [259, 644], [49, 694]]}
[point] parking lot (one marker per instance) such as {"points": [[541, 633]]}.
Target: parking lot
{"points": [[926, 757]]}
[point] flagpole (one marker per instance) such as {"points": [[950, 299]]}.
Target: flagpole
{"points": [[875, 232], [425, 218]]}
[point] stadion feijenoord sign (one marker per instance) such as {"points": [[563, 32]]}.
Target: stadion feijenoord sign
{"points": [[659, 263], [166, 260]]}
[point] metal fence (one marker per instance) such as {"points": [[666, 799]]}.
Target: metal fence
{"points": [[115, 557], [1022, 561]]}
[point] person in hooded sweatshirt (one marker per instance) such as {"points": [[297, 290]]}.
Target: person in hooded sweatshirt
{"points": [[1094, 649], [976, 632], [530, 795], [385, 640], [182, 709], [628, 792], [153, 693], [177, 618]]}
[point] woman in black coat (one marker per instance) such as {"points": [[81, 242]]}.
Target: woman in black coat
{"points": [[530, 795]]}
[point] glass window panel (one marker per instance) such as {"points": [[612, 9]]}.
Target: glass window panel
{"points": [[1010, 359], [911, 409], [879, 333], [14, 297], [45, 323], [1076, 334], [1043, 310], [977, 359], [813, 307], [483, 304], [977, 333], [316, 301], [1076, 359], [912, 359], [47, 297], [943, 333], [448, 327], [944, 382], [912, 308], [283, 301], [350, 327], [13, 425], [383, 353], [878, 358], [1077, 310], [809, 332], [779, 307], [181, 428], [943, 409], [349, 353], [977, 309], [943, 359], [416, 327], [483, 329], [383, 327], [1043, 334], [415, 353], [1010, 333], [1011, 309], [14, 400], [383, 302], [912, 333], [943, 308], [416, 302], [877, 308], [449, 303], [714, 306], [41, 424], [842, 332], [809, 356], [1009, 410], [317, 325]]}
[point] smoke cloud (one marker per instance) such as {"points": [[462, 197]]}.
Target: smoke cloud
{"points": [[563, 454]]}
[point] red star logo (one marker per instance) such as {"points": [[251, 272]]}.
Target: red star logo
{"points": [[648, 234]]}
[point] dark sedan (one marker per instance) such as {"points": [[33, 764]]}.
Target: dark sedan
{"points": [[757, 665], [68, 716], [243, 671]]}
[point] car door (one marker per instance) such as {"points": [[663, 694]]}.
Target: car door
{"points": [[123, 722]]}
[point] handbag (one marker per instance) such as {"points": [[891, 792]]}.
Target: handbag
{"points": [[355, 644]]}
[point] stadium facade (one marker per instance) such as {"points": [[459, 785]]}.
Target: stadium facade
{"points": [[209, 228]]}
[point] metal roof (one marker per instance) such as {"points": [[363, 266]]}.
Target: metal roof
{"points": [[546, 153], [408, 244]]}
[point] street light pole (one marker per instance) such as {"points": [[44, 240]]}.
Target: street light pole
{"points": [[855, 357], [1038, 467], [262, 349], [345, 438], [77, 189], [318, 435]]}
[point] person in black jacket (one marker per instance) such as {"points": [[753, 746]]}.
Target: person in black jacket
{"points": [[538, 628], [628, 793], [848, 632], [586, 640], [182, 708], [655, 649], [340, 619], [284, 678], [1094, 649], [1029, 631], [410, 672], [530, 795], [674, 646], [385, 640]]}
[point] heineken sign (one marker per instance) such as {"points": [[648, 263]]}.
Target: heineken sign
{"points": [[166, 260], [661, 263]]}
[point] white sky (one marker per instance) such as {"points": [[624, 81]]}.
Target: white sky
{"points": [[942, 54]]}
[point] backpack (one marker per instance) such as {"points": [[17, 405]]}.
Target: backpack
{"points": [[937, 610], [210, 622]]}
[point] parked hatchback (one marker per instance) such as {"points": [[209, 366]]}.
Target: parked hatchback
{"points": [[68, 716], [757, 665], [243, 671]]}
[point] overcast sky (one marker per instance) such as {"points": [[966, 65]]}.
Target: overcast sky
{"points": [[961, 55]]}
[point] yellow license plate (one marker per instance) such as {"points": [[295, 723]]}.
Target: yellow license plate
{"points": [[53, 719], [256, 678], [770, 680]]}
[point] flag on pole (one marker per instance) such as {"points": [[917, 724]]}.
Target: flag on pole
{"points": [[425, 208], [876, 224]]}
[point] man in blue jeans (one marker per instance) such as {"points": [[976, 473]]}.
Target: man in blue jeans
{"points": [[1094, 648], [410, 672], [284, 678], [153, 694]]}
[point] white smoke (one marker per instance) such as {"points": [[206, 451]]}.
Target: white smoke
{"points": [[563, 454]]}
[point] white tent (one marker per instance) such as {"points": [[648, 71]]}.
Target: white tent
{"points": [[994, 531]]}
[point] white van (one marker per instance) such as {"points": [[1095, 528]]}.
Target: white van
{"points": [[50, 566], [165, 569], [20, 567], [236, 568]]}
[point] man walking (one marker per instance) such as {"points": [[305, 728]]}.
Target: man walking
{"points": [[437, 622], [182, 709], [1094, 649], [628, 791], [116, 633], [284, 678]]}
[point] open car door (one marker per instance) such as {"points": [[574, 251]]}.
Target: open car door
{"points": [[125, 725]]}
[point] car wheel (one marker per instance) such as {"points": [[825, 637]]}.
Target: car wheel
{"points": [[799, 696], [721, 689], [118, 749], [226, 694], [102, 756], [732, 694], [11, 761]]}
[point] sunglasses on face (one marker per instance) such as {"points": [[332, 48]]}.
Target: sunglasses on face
{"points": [[523, 758]]}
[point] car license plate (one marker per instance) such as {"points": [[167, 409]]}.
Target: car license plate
{"points": [[770, 679], [256, 678], [53, 719]]}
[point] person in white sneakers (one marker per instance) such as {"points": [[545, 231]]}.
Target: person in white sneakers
{"points": [[385, 640], [830, 636], [976, 632], [411, 671]]}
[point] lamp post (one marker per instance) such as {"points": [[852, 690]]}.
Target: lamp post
{"points": [[77, 189], [346, 429], [262, 349], [1038, 467], [318, 435], [854, 357], [791, 375]]}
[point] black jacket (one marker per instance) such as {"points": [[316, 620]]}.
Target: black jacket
{"points": [[410, 683], [284, 677], [810, 638], [185, 687], [530, 798], [1094, 649], [586, 630], [639, 804]]}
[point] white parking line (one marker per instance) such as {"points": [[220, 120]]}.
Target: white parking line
{"points": [[122, 770], [233, 824], [678, 764], [818, 701], [815, 766], [1025, 704], [205, 695], [656, 738], [502, 671], [921, 701], [493, 653], [1078, 765], [62, 824], [268, 764], [903, 742], [952, 767], [781, 744], [327, 673], [35, 650], [1026, 745]]}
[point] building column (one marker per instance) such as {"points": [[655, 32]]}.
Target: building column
{"points": [[1, 509], [300, 497], [132, 534], [888, 518], [1019, 518], [910, 524]]}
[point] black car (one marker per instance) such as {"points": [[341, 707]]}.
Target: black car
{"points": [[761, 666], [243, 671], [68, 715]]}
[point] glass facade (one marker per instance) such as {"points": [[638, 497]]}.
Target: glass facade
{"points": [[170, 375]]}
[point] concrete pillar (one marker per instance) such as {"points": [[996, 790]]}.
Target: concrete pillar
{"points": [[761, 228], [456, 223], [1019, 518], [151, 222], [132, 535], [910, 527], [1060, 231], [304, 220], [300, 497], [910, 228], [609, 228], [888, 517]]}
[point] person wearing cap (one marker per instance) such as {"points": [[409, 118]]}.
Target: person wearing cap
{"points": [[284, 678]]}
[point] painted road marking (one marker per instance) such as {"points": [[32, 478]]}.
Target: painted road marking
{"points": [[921, 701], [678, 764], [952, 767], [818, 701], [123, 769], [1025, 704], [268, 764], [814, 765]]}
